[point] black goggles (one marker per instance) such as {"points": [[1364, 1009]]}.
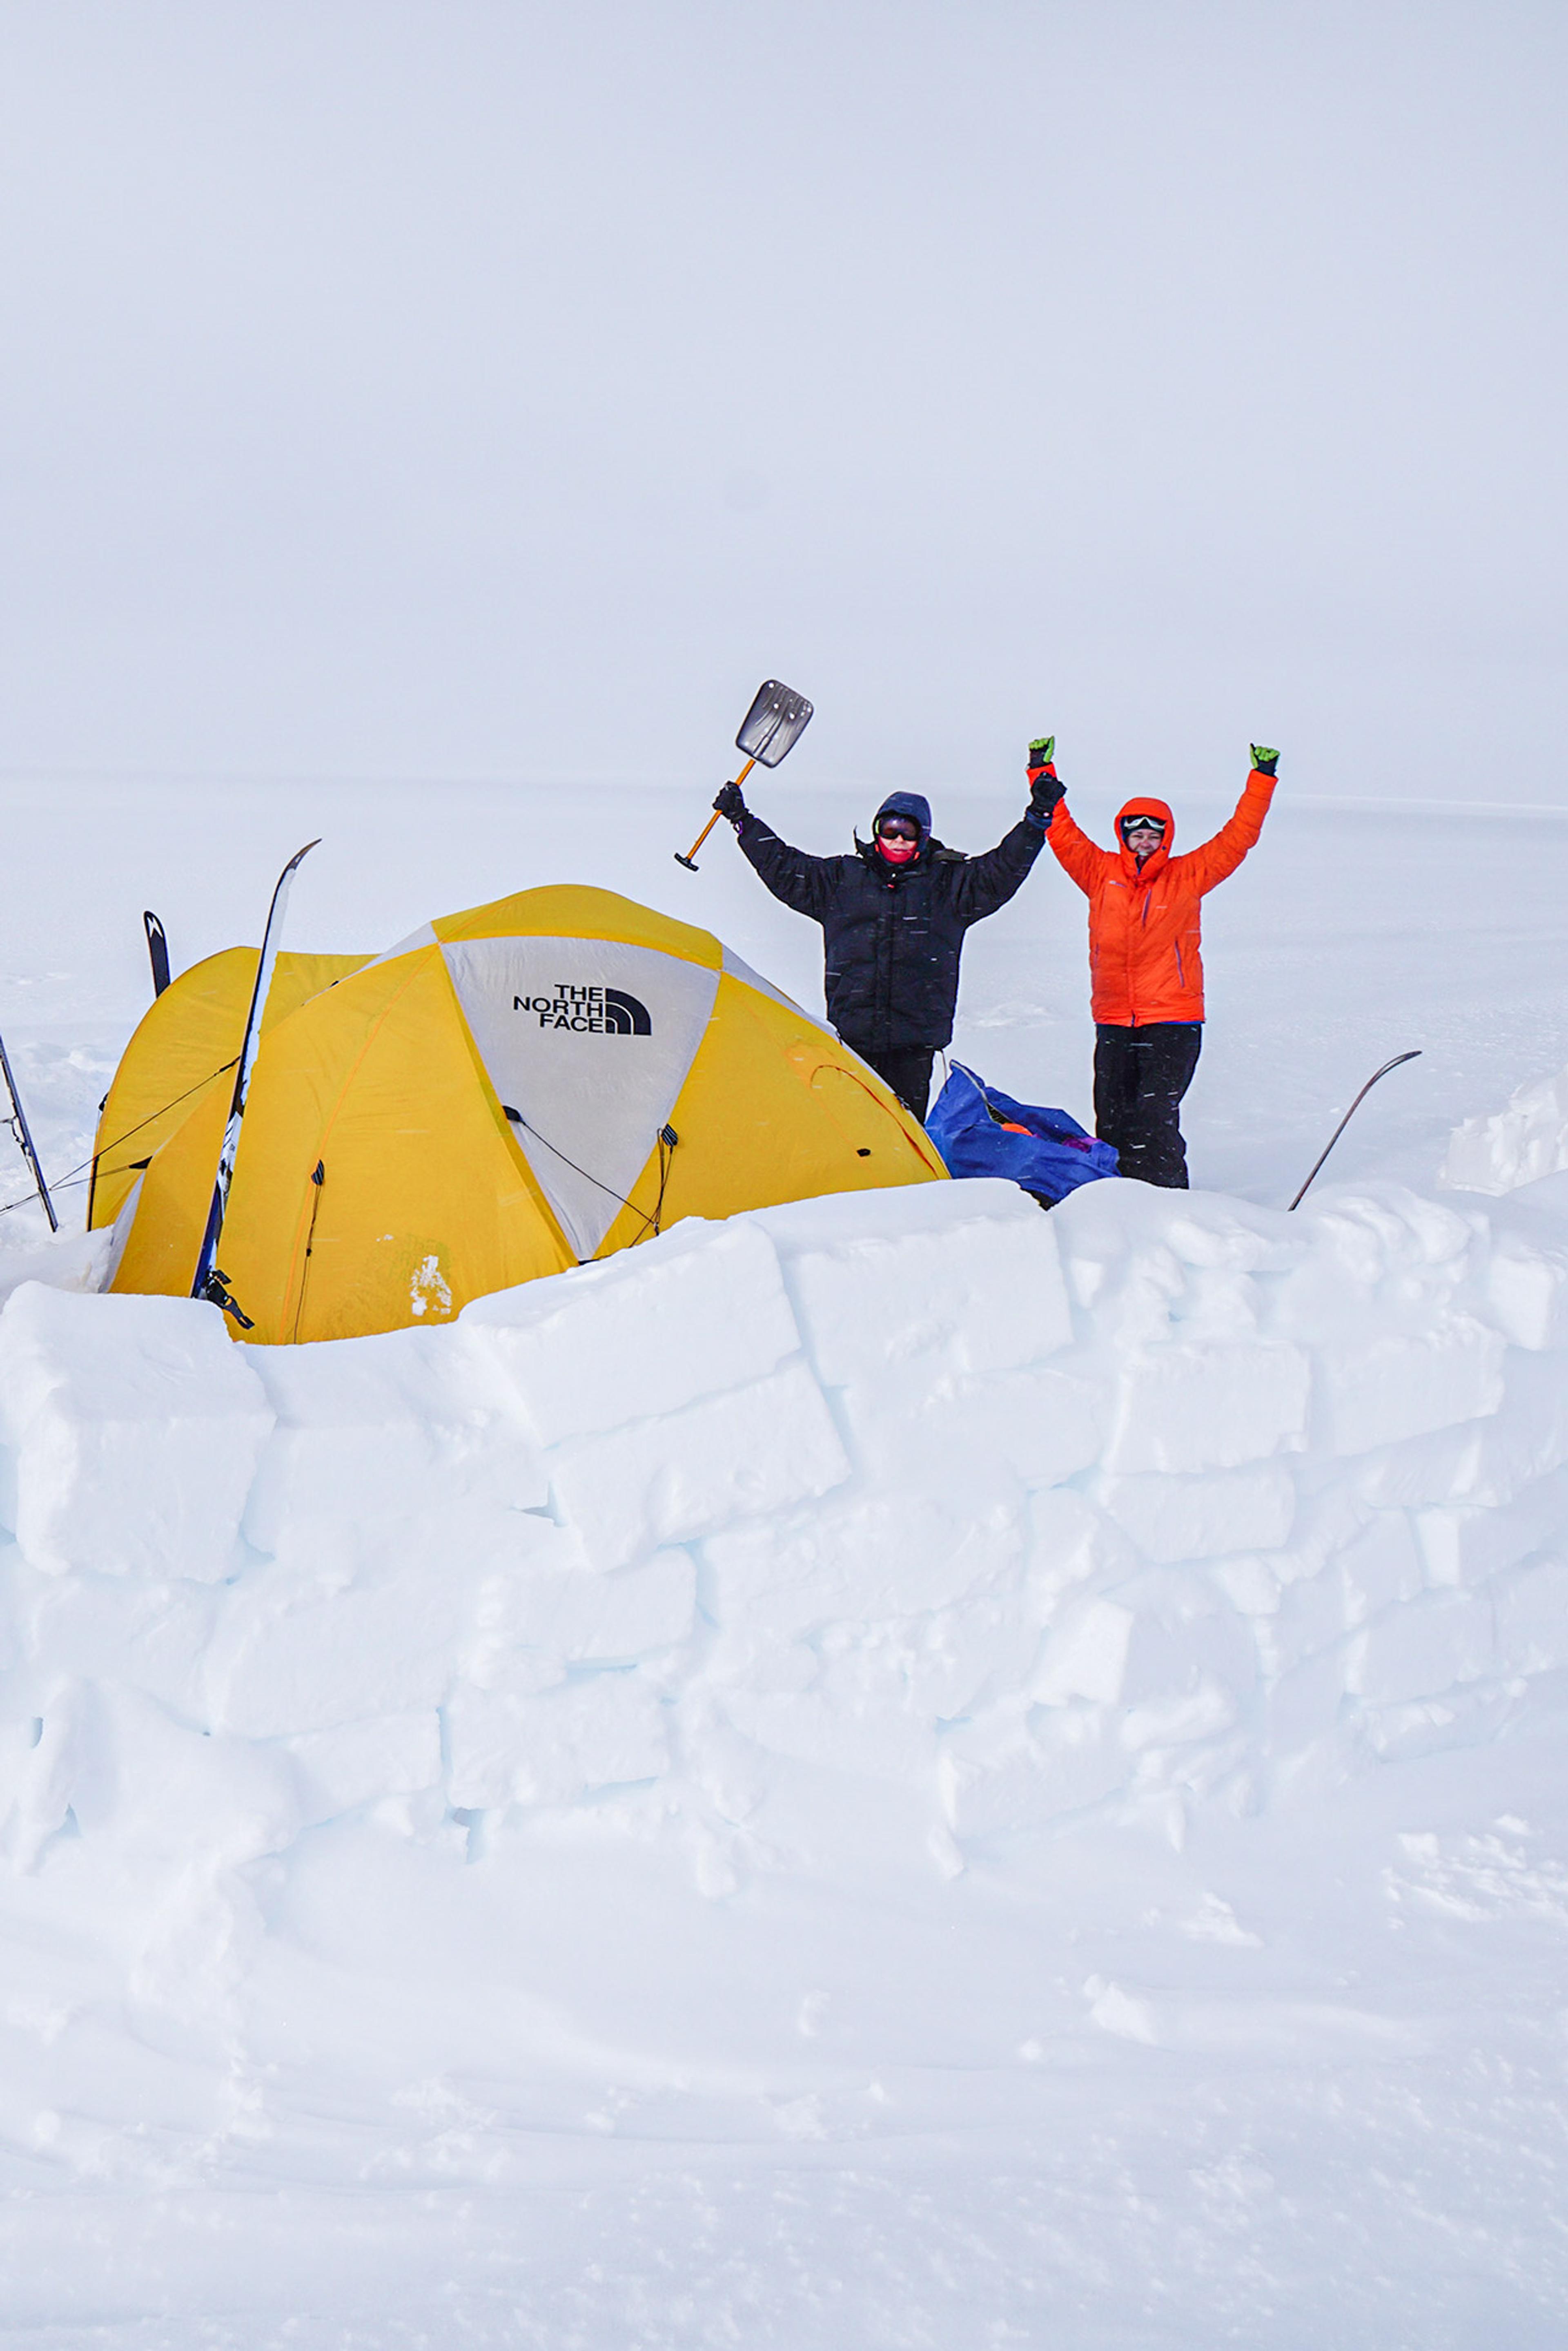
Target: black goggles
{"points": [[898, 828]]}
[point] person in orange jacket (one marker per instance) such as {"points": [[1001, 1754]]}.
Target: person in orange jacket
{"points": [[1146, 971]]}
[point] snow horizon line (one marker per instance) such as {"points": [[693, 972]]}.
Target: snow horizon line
{"points": [[286, 779]]}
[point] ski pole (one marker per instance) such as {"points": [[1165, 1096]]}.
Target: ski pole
{"points": [[689, 860], [1350, 1114], [23, 1134]]}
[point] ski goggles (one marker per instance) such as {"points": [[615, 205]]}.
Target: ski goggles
{"points": [[898, 828], [1139, 822]]}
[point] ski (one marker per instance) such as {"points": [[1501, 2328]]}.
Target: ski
{"points": [[210, 1282], [1350, 1114], [158, 948], [17, 1122]]}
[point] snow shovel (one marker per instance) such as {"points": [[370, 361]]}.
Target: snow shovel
{"points": [[1349, 1114], [773, 725]]}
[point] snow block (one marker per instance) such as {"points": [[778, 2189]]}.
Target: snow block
{"points": [[1192, 1407], [1172, 1519], [1182, 1638], [877, 1732], [1120, 1225], [572, 1616], [143, 1635], [137, 1427], [1381, 1567], [862, 1557], [1527, 1291], [171, 1797], [290, 1657], [1526, 1439], [751, 1451], [1072, 1543], [1468, 1717], [552, 1747], [1468, 1544], [357, 1763], [1310, 1619], [693, 1313], [1421, 1472], [983, 1295], [1424, 1649], [377, 1435], [1392, 1386], [1300, 1709], [1039, 1425], [40, 1780], [1532, 1618], [1180, 1717], [1516, 1145], [1086, 1654]]}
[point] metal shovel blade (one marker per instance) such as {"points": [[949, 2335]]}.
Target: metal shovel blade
{"points": [[773, 724]]}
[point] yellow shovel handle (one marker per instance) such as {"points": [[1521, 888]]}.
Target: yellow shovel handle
{"points": [[713, 820]]}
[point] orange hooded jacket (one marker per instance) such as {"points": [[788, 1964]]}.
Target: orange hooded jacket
{"points": [[1144, 958]]}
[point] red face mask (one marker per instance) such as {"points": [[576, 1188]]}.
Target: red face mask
{"points": [[896, 851]]}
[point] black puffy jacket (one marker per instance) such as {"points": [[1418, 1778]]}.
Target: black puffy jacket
{"points": [[893, 934]]}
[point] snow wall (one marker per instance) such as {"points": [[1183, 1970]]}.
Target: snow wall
{"points": [[1513, 1146], [922, 1507]]}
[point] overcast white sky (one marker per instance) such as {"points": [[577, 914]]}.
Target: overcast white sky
{"points": [[499, 390]]}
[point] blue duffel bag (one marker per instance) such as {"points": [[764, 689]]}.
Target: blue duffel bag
{"points": [[976, 1129]]}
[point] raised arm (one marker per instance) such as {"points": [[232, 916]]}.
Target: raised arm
{"points": [[985, 882], [1214, 859], [1080, 858], [801, 881]]}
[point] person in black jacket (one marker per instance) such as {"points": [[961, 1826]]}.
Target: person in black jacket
{"points": [[893, 917]]}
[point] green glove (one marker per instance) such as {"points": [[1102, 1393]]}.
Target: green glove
{"points": [[1041, 752], [1264, 759]]}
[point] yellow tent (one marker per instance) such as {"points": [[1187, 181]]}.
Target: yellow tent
{"points": [[179, 1064], [509, 1092]]}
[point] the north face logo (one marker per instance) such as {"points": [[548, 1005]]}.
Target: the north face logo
{"points": [[590, 1011]]}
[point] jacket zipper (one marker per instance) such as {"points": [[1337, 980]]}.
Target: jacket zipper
{"points": [[1143, 922]]}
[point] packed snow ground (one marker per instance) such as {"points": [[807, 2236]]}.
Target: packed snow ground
{"points": [[896, 1770]]}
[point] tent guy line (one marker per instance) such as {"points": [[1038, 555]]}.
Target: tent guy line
{"points": [[666, 1137]]}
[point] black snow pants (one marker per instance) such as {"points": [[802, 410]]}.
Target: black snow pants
{"points": [[1140, 1076], [904, 1070]]}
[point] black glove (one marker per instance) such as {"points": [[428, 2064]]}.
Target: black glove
{"points": [[1045, 789], [1043, 795], [729, 803], [1264, 760]]}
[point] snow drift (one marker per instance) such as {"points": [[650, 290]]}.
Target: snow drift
{"points": [[1155, 1501], [1513, 1146]]}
